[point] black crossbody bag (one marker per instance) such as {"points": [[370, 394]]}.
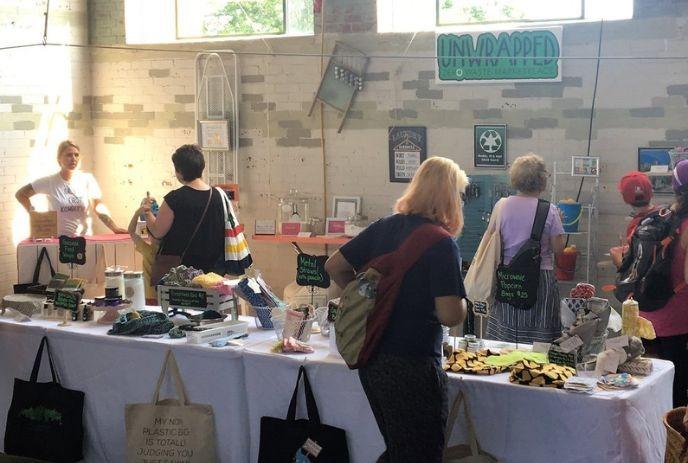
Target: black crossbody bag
{"points": [[517, 283]]}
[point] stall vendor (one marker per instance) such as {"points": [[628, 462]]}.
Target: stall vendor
{"points": [[73, 194]]}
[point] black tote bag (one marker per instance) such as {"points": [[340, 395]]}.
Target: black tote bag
{"points": [[34, 287], [281, 439], [45, 419]]}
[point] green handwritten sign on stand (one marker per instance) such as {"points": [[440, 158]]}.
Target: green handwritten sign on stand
{"points": [[188, 298], [68, 300], [72, 250], [310, 271]]}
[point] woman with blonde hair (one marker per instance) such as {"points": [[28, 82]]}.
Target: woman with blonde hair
{"points": [[403, 380], [541, 322]]}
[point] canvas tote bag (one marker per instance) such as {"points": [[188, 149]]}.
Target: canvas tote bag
{"points": [[481, 279], [463, 453], [170, 429]]}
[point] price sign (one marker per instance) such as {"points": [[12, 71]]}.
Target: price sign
{"points": [[481, 309], [72, 250], [310, 271], [68, 300], [558, 356], [188, 298]]}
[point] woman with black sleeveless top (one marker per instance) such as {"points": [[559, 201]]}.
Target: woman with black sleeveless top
{"points": [[183, 209]]}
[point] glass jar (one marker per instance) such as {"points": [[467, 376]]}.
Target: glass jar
{"points": [[134, 289], [293, 207], [114, 283], [317, 226]]}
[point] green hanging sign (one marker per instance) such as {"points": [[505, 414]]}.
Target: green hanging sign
{"points": [[499, 57]]}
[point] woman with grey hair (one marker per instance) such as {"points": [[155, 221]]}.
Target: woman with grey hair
{"points": [[541, 322]]}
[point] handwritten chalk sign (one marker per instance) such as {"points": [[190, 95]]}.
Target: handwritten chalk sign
{"points": [[188, 298], [558, 356], [68, 300], [481, 309], [72, 250], [310, 271]]}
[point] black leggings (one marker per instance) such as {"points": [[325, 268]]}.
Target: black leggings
{"points": [[674, 349], [408, 396]]}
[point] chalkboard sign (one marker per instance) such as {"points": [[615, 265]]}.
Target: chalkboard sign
{"points": [[567, 359], [188, 298], [407, 150], [67, 300], [481, 309], [73, 250], [489, 145], [310, 271]]}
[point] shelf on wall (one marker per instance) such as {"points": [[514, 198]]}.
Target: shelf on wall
{"points": [[321, 239]]}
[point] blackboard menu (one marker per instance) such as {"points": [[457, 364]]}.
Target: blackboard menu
{"points": [[310, 271], [188, 298], [72, 250], [407, 150]]}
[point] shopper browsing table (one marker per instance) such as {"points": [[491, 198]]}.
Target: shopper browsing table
{"points": [[73, 194], [190, 221], [403, 380]]}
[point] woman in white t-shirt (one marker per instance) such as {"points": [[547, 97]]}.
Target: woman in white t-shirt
{"points": [[73, 194]]}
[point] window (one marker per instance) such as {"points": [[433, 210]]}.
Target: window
{"points": [[453, 12], [219, 18], [427, 15], [181, 20]]}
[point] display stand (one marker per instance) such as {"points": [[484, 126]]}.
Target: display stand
{"points": [[564, 182]]}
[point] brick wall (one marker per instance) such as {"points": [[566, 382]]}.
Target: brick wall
{"points": [[142, 107], [44, 98]]}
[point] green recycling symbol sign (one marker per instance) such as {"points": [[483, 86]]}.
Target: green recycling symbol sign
{"points": [[489, 145]]}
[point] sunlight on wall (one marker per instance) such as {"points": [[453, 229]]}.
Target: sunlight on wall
{"points": [[56, 63]]}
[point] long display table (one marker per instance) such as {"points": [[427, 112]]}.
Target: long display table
{"points": [[514, 423]]}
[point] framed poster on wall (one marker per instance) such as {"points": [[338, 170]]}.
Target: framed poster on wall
{"points": [[214, 135], [407, 150], [489, 145]]}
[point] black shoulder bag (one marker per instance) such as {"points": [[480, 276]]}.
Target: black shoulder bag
{"points": [[517, 283], [45, 419]]}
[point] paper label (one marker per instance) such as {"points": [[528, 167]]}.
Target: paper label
{"points": [[617, 343], [658, 169], [304, 234], [541, 347], [607, 362], [312, 447], [265, 227], [570, 344]]}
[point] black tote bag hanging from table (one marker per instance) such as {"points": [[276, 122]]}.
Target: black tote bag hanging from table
{"points": [[303, 440], [45, 419], [34, 286]]}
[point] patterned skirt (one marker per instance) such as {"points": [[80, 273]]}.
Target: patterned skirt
{"points": [[541, 322]]}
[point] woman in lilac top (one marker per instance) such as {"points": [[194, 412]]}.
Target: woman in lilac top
{"points": [[541, 322]]}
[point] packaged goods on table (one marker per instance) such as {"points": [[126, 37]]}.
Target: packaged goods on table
{"points": [[534, 374]]}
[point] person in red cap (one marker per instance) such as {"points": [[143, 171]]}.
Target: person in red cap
{"points": [[636, 191]]}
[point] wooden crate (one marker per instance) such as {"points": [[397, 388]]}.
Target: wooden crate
{"points": [[186, 298]]}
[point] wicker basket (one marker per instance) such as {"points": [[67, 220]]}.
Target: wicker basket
{"points": [[676, 441]]}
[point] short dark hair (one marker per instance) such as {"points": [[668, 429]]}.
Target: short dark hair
{"points": [[189, 162]]}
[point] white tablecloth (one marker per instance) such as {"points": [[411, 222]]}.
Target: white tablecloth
{"points": [[514, 423]]}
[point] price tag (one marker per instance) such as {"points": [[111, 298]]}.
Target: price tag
{"points": [[481, 308], [312, 447], [310, 271]]}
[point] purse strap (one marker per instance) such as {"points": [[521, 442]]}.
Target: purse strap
{"points": [[39, 263], [37, 362], [540, 220], [170, 365], [311, 406]]}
